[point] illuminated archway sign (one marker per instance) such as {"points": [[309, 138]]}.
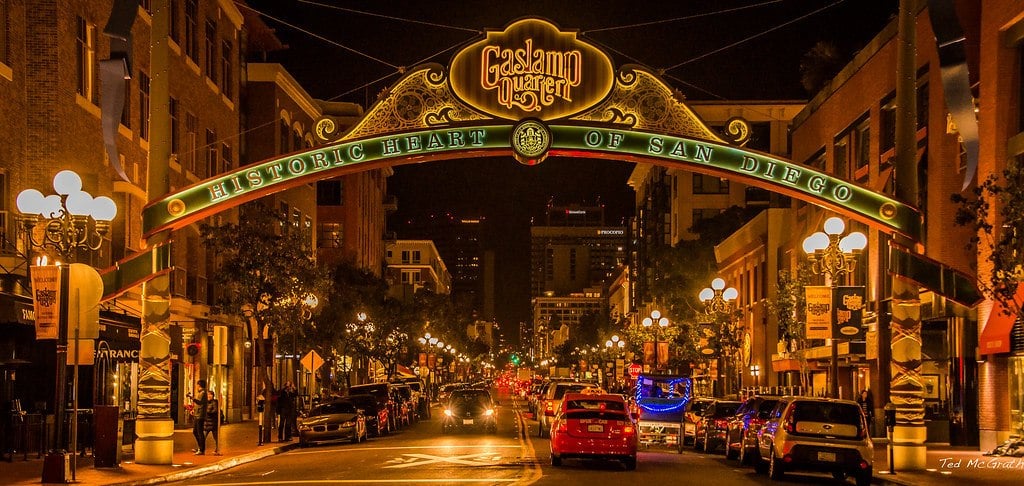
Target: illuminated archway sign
{"points": [[531, 91]]}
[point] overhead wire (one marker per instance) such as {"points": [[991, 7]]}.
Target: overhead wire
{"points": [[391, 17], [755, 36], [686, 17]]}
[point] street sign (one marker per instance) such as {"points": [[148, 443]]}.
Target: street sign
{"points": [[312, 361], [634, 370]]}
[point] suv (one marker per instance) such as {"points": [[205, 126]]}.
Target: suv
{"points": [[713, 423], [547, 404], [816, 434], [694, 410], [470, 408], [741, 436]]}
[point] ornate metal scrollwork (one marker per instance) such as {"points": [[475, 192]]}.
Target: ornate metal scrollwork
{"points": [[641, 101], [737, 131]]}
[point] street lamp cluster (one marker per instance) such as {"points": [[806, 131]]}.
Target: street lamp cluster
{"points": [[72, 219], [720, 302], [662, 323]]}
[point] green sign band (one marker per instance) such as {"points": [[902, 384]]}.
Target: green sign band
{"points": [[258, 180], [135, 269]]}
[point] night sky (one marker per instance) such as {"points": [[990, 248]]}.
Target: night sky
{"points": [[724, 50]]}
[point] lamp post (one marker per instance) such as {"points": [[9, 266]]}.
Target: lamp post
{"points": [[72, 221], [649, 322], [832, 254], [615, 346], [720, 301]]}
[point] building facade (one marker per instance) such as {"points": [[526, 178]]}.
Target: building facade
{"points": [[413, 265]]}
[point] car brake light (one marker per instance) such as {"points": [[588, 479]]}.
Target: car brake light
{"points": [[721, 423], [790, 424], [756, 422], [787, 458], [864, 464], [628, 430]]}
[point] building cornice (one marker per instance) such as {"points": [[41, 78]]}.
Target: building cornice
{"points": [[231, 11], [277, 74]]}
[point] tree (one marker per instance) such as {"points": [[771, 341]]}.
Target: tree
{"points": [[268, 277], [996, 213], [789, 307], [819, 65]]}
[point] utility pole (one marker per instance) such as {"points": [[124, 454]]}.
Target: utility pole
{"points": [[155, 428], [905, 390]]}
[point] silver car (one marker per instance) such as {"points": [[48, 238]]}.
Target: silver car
{"points": [[334, 421], [816, 434]]}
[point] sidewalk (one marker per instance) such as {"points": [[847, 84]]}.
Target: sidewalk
{"points": [[962, 466], [237, 446]]}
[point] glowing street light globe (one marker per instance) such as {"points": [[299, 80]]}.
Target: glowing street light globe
{"points": [[67, 182]]}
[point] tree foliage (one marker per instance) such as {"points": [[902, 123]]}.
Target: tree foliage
{"points": [[996, 213], [789, 307], [819, 65]]}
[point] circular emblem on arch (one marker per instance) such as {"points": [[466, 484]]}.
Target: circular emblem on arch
{"points": [[531, 140]]}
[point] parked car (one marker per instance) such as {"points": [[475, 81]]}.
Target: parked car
{"points": [[694, 410], [547, 405], [384, 394], [470, 408], [376, 415], [332, 421], [710, 431], [409, 402], [593, 426], [816, 434], [741, 435]]}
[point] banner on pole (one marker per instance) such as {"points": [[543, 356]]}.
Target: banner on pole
{"points": [[819, 312], [46, 298], [848, 312]]}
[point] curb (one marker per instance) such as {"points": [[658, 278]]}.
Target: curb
{"points": [[890, 480], [211, 468]]}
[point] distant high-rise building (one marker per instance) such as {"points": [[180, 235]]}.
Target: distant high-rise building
{"points": [[574, 249], [459, 242]]}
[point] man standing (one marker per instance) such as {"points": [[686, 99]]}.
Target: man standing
{"points": [[199, 403], [286, 408]]}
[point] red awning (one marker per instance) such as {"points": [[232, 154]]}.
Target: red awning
{"points": [[995, 338]]}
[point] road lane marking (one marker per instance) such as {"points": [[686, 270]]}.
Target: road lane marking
{"points": [[395, 448], [480, 459], [373, 481], [531, 472]]}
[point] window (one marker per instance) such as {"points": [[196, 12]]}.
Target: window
{"points": [[86, 60], [887, 125], [283, 137], [296, 218], [863, 147], [172, 19], [329, 193], [126, 112], [700, 215], [191, 141], [212, 157], [922, 102], [705, 184], [226, 157], [817, 160], [841, 156], [143, 105], [145, 4], [225, 68], [406, 256], [175, 126], [211, 50], [4, 51], [191, 29], [410, 276], [415, 256]]}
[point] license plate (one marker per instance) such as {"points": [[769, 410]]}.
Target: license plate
{"points": [[470, 422], [827, 456], [595, 428]]}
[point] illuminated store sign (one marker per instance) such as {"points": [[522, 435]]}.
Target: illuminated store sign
{"points": [[531, 69]]}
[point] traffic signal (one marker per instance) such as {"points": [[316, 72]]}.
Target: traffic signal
{"points": [[514, 359]]}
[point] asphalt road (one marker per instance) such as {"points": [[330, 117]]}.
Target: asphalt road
{"points": [[515, 455]]}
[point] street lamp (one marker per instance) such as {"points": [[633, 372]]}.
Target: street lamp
{"points": [[720, 301], [755, 371], [72, 220], [616, 346], [648, 322], [832, 254]]}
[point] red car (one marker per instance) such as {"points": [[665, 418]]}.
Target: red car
{"points": [[593, 426]]}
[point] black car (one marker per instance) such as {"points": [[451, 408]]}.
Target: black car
{"points": [[469, 409], [333, 421], [713, 424], [384, 393], [377, 423], [741, 436]]}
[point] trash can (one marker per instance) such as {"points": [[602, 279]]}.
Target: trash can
{"points": [[107, 435]]}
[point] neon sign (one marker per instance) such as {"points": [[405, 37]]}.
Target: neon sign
{"points": [[531, 69]]}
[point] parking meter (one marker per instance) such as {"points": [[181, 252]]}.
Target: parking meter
{"points": [[260, 406], [890, 423], [260, 403]]}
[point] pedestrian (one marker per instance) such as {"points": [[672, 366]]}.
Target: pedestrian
{"points": [[199, 403], [286, 410], [212, 424], [868, 407]]}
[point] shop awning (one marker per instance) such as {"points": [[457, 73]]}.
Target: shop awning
{"points": [[404, 372], [995, 338]]}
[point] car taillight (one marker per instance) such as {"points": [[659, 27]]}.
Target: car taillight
{"points": [[721, 423], [549, 408], [755, 422], [628, 430], [562, 427], [790, 424]]}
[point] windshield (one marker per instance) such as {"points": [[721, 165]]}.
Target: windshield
{"points": [[608, 405], [833, 413], [376, 390], [332, 408], [480, 397], [561, 390], [725, 409]]}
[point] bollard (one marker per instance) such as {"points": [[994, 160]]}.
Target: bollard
{"points": [[260, 405]]}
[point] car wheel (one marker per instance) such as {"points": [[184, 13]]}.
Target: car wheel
{"points": [[555, 460], [706, 443], [630, 463], [774, 466], [729, 452], [695, 443], [864, 477]]}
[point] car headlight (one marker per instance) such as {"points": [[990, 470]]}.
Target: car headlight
{"points": [[350, 423], [489, 412], [305, 427], [448, 412]]}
